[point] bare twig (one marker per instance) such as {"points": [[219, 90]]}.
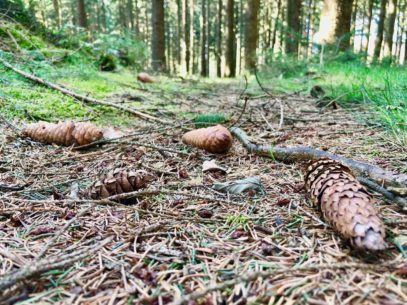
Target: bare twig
{"points": [[9, 279], [263, 274], [305, 153]]}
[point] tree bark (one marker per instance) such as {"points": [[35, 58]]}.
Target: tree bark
{"points": [[276, 22], [158, 35], [335, 23], [293, 26], [369, 24], [389, 27], [251, 34], [380, 30], [188, 34], [204, 40], [82, 17], [219, 40], [231, 39], [57, 12]]}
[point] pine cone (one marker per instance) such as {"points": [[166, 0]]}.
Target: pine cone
{"points": [[117, 182], [145, 78], [64, 133], [345, 204], [215, 139]]}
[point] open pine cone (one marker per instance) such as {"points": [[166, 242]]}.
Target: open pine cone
{"points": [[64, 133], [117, 182], [345, 204], [215, 139]]}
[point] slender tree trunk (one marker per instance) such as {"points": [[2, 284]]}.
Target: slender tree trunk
{"points": [[251, 34], [293, 26], [158, 35], [311, 4], [204, 41], [362, 33], [389, 27], [276, 24], [231, 39], [219, 40], [82, 17], [369, 24], [380, 30], [137, 16], [57, 12], [187, 14], [335, 23], [130, 14], [353, 24]]}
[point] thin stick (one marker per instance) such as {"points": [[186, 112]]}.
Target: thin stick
{"points": [[305, 153], [80, 97], [263, 274], [9, 279]]}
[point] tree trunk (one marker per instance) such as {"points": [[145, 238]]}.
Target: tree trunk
{"points": [[158, 35], [335, 23], [57, 12], [231, 39], [273, 41], [251, 34], [380, 30], [82, 17], [188, 34], [389, 27], [369, 24], [293, 26], [204, 41], [219, 40], [130, 13], [353, 24], [137, 21]]}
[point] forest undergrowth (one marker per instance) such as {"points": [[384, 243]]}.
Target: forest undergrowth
{"points": [[180, 241]]}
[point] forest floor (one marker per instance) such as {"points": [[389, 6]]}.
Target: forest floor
{"points": [[184, 242]]}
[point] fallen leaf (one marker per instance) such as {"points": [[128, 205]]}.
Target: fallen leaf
{"points": [[212, 166]]}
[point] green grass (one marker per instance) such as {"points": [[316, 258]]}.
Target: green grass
{"points": [[382, 88]]}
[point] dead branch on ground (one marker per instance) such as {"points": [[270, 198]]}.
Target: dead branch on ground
{"points": [[305, 153], [78, 96]]}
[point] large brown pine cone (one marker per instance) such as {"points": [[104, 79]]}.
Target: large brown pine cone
{"points": [[64, 133], [117, 182], [215, 139], [345, 204]]}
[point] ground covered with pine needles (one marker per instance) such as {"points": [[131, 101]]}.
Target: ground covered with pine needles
{"points": [[179, 241]]}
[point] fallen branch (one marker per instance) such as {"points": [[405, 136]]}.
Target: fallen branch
{"points": [[34, 268], [80, 97], [189, 298], [304, 153]]}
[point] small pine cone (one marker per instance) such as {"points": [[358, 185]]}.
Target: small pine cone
{"points": [[215, 139], [117, 182], [65, 133], [345, 204], [145, 78]]}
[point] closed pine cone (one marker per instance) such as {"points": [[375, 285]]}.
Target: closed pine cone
{"points": [[64, 133], [215, 139], [117, 182], [345, 204]]}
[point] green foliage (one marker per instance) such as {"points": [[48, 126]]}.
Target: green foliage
{"points": [[391, 108], [349, 80], [211, 119], [127, 50]]}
